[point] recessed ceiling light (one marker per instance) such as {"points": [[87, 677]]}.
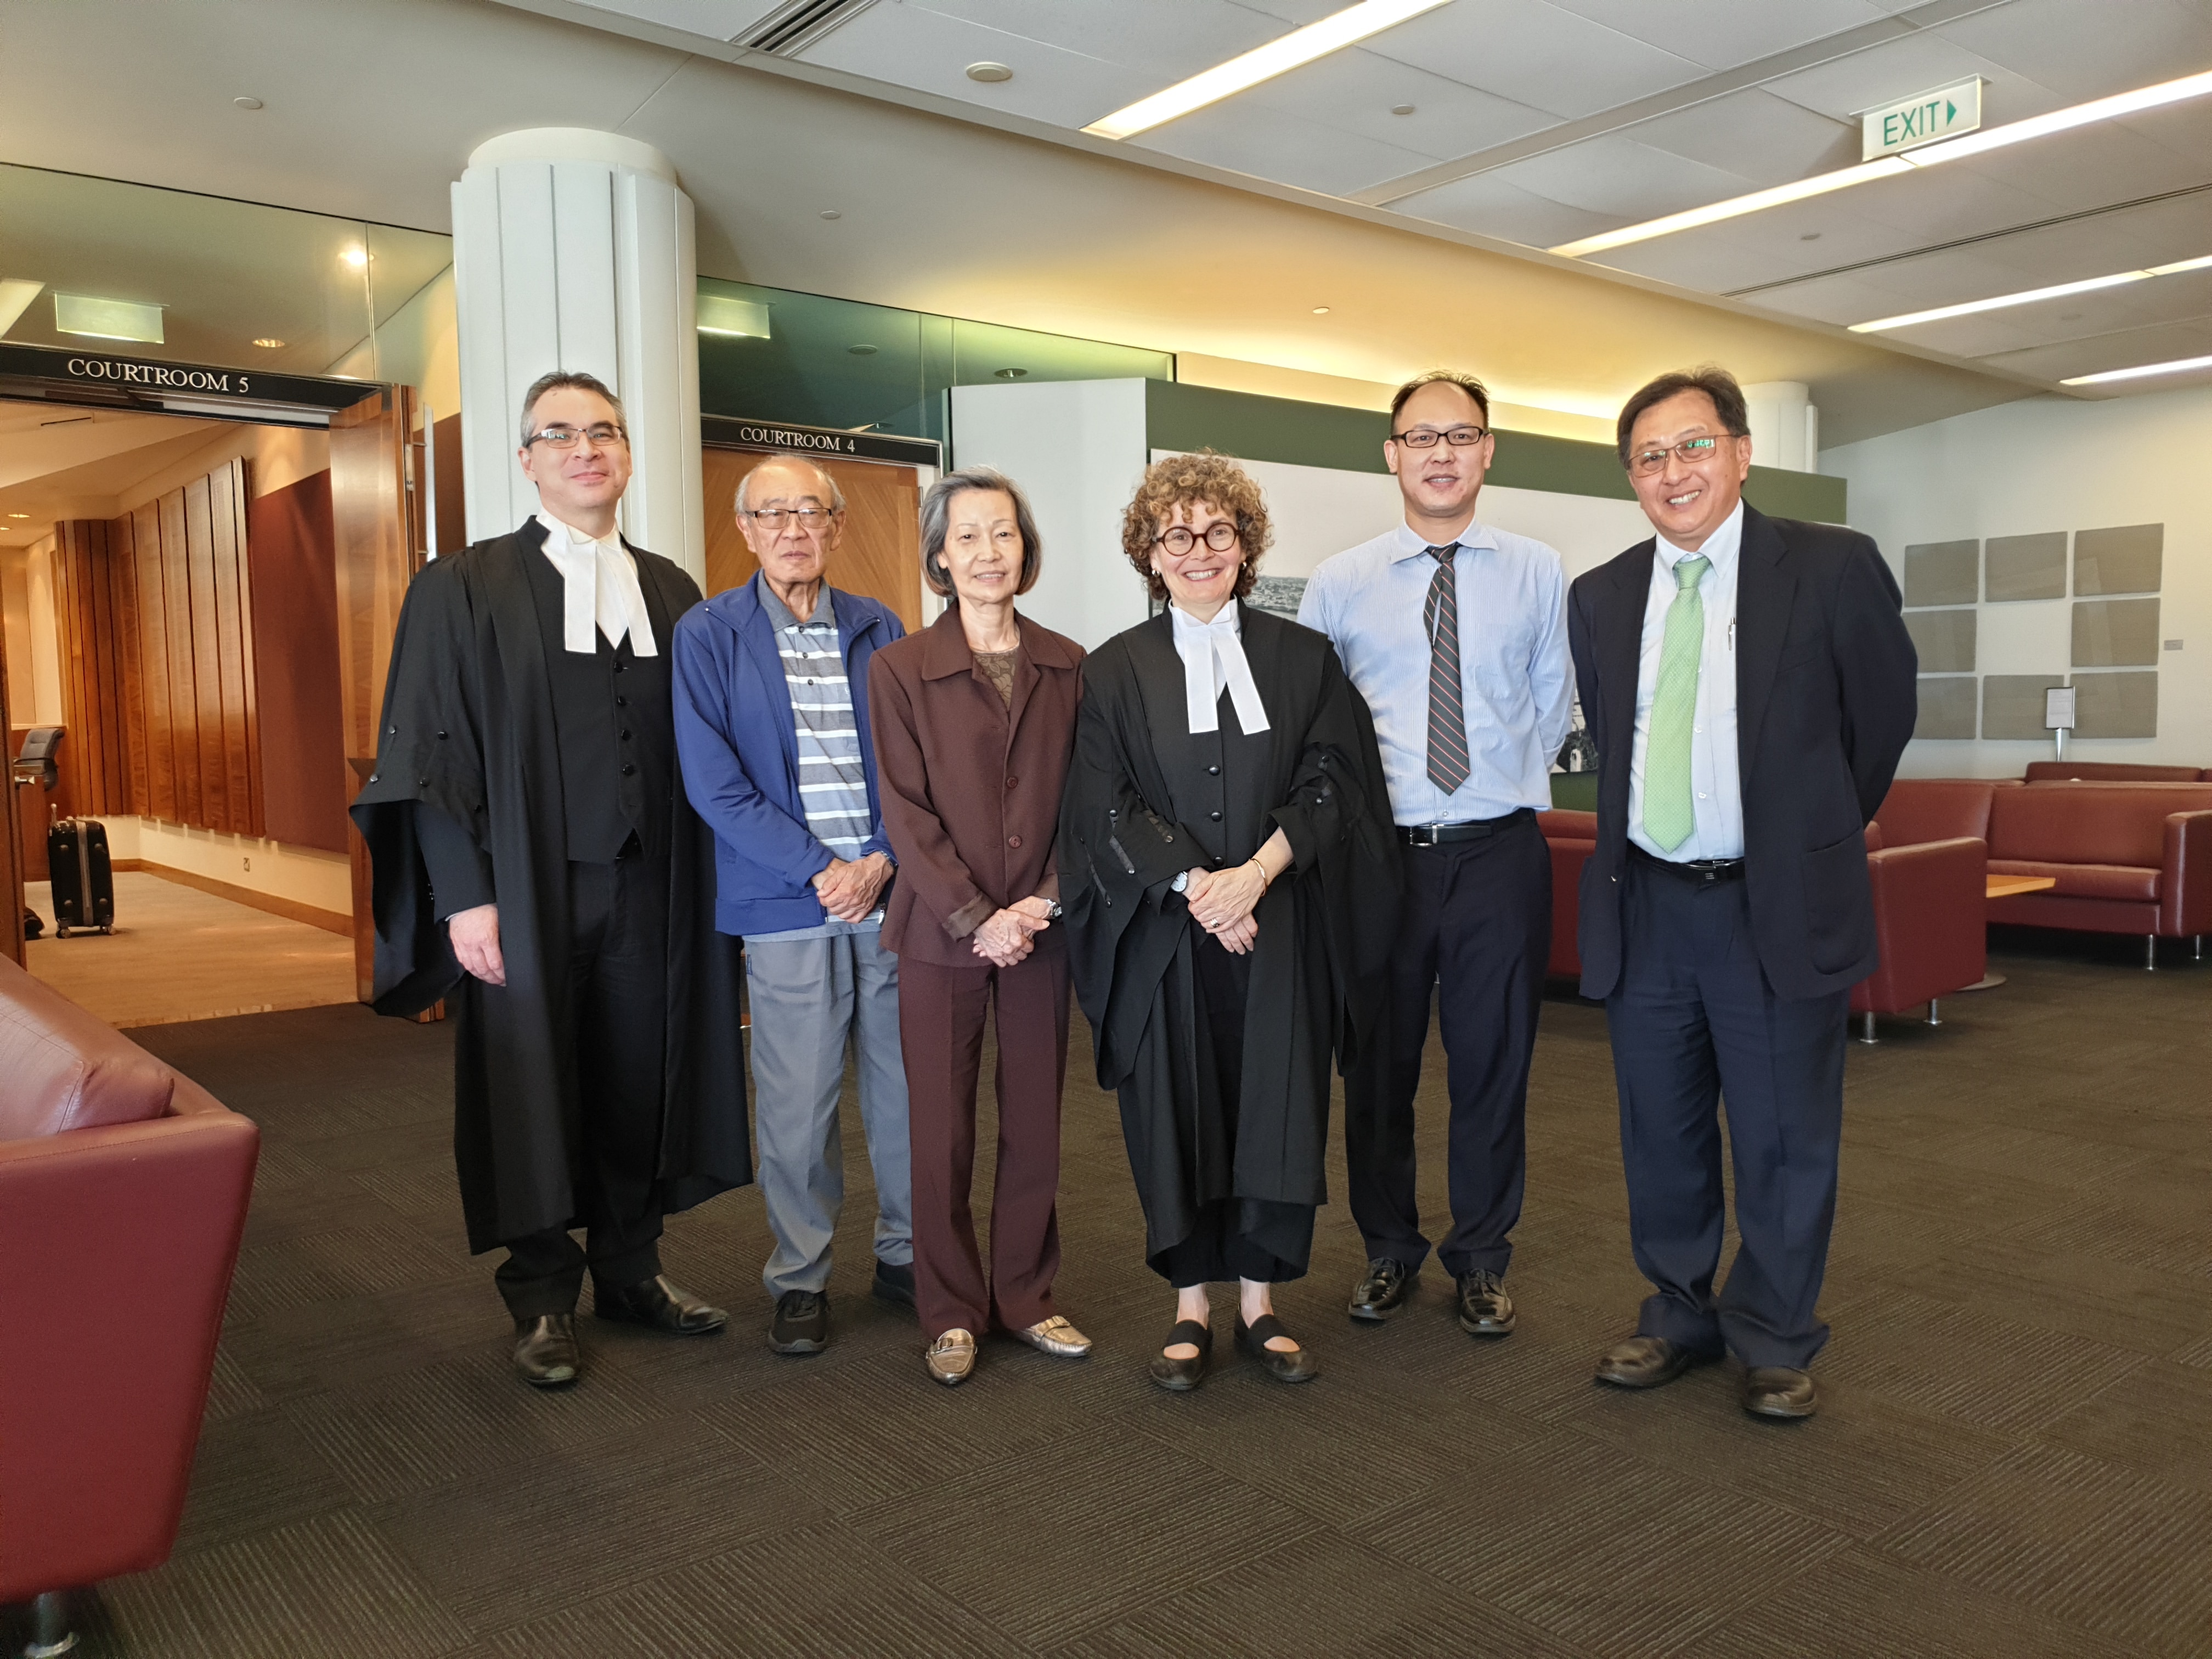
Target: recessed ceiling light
{"points": [[989, 72], [247, 103], [1402, 109], [2178, 366], [268, 344], [1279, 57], [724, 314], [831, 213], [356, 257], [1890, 166], [1321, 311], [861, 351], [18, 515], [108, 319], [1008, 373]]}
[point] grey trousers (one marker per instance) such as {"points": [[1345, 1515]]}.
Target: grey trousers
{"points": [[807, 996]]}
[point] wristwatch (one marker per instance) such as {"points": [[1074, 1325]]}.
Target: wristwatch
{"points": [[1055, 910]]}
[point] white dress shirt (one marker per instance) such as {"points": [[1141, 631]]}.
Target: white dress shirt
{"points": [[1515, 680], [598, 588], [1214, 660], [1713, 765]]}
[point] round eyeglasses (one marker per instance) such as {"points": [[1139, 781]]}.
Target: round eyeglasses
{"points": [[1220, 536]]}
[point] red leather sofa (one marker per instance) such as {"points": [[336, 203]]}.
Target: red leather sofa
{"points": [[2111, 772], [122, 1191], [1928, 902]]}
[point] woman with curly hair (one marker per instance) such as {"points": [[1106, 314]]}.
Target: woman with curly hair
{"points": [[1231, 882]]}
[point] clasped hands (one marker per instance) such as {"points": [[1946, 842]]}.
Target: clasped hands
{"points": [[1222, 901], [1005, 937], [848, 891]]}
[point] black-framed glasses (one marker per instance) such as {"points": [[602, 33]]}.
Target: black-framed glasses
{"points": [[1424, 437], [601, 433], [1646, 462], [773, 519], [1220, 536]]}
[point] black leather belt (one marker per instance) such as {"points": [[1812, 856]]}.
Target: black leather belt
{"points": [[1704, 872], [1437, 835]]}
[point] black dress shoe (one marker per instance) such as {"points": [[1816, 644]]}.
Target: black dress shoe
{"points": [[1646, 1362], [1780, 1391], [546, 1355], [1382, 1290], [893, 1283], [1182, 1376], [801, 1324], [1484, 1309], [1295, 1366], [656, 1302]]}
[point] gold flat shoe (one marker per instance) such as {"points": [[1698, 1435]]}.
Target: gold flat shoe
{"points": [[952, 1357], [1056, 1337]]}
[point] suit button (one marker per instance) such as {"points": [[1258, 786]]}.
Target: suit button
{"points": [[441, 735], [621, 702], [1216, 817], [625, 736], [630, 771], [621, 666], [1011, 782], [1213, 771], [1014, 842]]}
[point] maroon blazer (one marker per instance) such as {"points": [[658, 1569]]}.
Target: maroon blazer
{"points": [[969, 786]]}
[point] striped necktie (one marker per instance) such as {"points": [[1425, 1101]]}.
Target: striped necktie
{"points": [[1670, 810], [1447, 755]]}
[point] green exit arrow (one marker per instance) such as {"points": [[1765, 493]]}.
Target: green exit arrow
{"points": [[1950, 112]]}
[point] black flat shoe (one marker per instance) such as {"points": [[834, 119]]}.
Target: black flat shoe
{"points": [[656, 1302], [1295, 1366], [1182, 1376], [801, 1324], [1382, 1290], [546, 1353], [893, 1284], [1484, 1309], [1647, 1362], [1780, 1391]]}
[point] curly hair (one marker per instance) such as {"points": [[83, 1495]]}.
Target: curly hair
{"points": [[1188, 481]]}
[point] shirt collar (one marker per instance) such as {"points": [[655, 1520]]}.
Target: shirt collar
{"points": [[780, 616], [563, 537], [1407, 543], [1721, 547], [1225, 620]]}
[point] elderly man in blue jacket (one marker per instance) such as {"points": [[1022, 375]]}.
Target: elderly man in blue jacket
{"points": [[773, 732]]}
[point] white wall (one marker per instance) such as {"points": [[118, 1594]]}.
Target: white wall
{"points": [[2055, 464], [304, 875], [1076, 449]]}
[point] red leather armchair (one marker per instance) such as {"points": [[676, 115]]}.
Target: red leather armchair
{"points": [[2127, 858], [1928, 912], [1572, 837], [122, 1191]]}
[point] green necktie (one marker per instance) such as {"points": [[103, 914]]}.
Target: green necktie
{"points": [[1669, 805]]}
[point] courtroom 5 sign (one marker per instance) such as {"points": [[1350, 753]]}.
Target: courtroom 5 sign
{"points": [[141, 380]]}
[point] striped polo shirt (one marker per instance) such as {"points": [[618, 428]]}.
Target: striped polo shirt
{"points": [[833, 779]]}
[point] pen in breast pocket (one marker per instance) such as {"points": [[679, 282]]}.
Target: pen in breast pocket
{"points": [[1731, 644]]}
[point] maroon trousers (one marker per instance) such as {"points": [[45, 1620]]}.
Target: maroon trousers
{"points": [[941, 1014]]}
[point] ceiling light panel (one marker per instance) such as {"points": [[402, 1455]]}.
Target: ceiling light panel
{"points": [[108, 319], [1727, 33], [2181, 365]]}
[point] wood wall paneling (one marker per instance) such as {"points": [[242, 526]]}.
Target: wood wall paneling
{"points": [[130, 661], [177, 625], [294, 633], [880, 556], [158, 726], [207, 658]]}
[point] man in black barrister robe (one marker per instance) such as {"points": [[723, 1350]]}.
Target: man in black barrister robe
{"points": [[538, 864]]}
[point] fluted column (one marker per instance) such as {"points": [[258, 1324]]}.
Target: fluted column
{"points": [[573, 249]]}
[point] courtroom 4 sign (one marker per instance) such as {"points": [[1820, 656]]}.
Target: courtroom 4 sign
{"points": [[1944, 113]]}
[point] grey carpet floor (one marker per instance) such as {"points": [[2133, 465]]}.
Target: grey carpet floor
{"points": [[2013, 1459]]}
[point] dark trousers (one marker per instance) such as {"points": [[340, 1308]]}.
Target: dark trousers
{"points": [[941, 1016], [1264, 1240], [1477, 933], [615, 1007], [1693, 1022]]}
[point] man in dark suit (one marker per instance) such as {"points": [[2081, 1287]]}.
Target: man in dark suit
{"points": [[1750, 685]]}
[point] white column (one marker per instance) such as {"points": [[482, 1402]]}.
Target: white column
{"points": [[573, 249], [1784, 426]]}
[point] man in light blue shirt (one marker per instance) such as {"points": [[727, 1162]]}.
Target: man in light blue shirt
{"points": [[1455, 634]]}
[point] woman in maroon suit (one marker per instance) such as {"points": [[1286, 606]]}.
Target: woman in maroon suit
{"points": [[974, 718]]}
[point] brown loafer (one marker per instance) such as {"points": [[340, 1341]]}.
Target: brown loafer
{"points": [[1780, 1391], [546, 1353], [1647, 1362]]}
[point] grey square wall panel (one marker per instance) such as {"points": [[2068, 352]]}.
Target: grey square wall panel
{"points": [[2012, 705], [1946, 707], [1942, 573], [1944, 639], [2026, 567], [2116, 705], [2115, 633], [2125, 560]]}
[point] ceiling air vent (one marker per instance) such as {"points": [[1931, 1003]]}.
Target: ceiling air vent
{"points": [[791, 28]]}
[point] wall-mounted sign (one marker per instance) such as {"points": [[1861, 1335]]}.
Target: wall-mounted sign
{"points": [[724, 433], [1911, 122], [147, 383]]}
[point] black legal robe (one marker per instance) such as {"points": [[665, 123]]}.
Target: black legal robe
{"points": [[468, 730], [1139, 807]]}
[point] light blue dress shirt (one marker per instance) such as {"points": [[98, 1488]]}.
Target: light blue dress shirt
{"points": [[1714, 763], [1513, 664]]}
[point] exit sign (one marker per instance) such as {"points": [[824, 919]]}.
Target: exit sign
{"points": [[1911, 122]]}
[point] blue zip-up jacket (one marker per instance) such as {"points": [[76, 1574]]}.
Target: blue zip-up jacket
{"points": [[740, 753]]}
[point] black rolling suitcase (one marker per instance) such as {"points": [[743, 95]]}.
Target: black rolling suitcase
{"points": [[84, 879]]}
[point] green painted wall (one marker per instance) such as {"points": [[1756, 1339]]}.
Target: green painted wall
{"points": [[1298, 434]]}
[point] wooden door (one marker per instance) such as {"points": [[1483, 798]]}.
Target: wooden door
{"points": [[11, 840], [379, 541], [881, 555]]}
